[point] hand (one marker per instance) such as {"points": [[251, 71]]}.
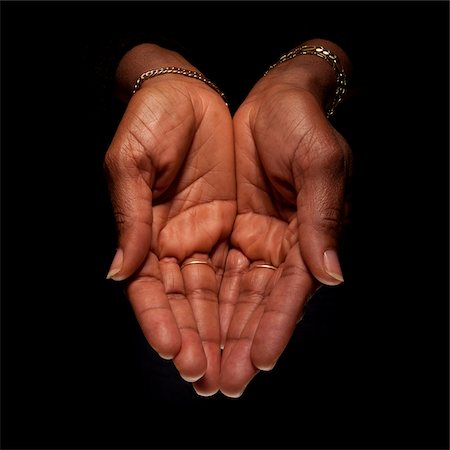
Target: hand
{"points": [[172, 183], [292, 167]]}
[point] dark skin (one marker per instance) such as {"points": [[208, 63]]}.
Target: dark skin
{"points": [[173, 167]]}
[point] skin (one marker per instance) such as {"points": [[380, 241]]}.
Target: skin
{"points": [[173, 165]]}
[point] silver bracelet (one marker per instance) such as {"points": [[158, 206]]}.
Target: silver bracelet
{"points": [[330, 58], [180, 71]]}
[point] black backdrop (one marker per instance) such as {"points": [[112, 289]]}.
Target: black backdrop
{"points": [[368, 365]]}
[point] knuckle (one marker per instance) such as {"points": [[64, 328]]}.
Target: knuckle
{"points": [[328, 220]]}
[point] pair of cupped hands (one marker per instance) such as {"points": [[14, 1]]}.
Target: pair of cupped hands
{"points": [[189, 182]]}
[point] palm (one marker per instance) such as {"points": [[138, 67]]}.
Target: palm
{"points": [[186, 159]]}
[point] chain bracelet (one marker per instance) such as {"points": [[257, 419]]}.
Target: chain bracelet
{"points": [[330, 58], [180, 71]]}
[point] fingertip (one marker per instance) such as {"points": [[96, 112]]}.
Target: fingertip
{"points": [[167, 356], [205, 391], [232, 394], [111, 273], [332, 267], [191, 362], [165, 340], [262, 360], [117, 277], [264, 365], [116, 267], [168, 350], [190, 378], [133, 250], [329, 281], [320, 257], [236, 390], [236, 372], [208, 385], [319, 230]]}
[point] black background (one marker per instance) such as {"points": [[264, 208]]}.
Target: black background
{"points": [[368, 365]]}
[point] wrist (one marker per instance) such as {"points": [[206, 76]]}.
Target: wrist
{"points": [[317, 66], [140, 59], [304, 73]]}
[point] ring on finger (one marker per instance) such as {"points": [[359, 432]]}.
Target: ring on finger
{"points": [[264, 266], [196, 261]]}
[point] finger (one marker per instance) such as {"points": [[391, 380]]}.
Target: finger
{"points": [[153, 312], [252, 293], [130, 179], [237, 368], [208, 384], [282, 311], [236, 265], [191, 360], [320, 186], [202, 292]]}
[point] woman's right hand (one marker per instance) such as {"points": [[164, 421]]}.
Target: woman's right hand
{"points": [[171, 175]]}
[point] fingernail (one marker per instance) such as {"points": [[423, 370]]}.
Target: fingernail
{"points": [[116, 265], [163, 356], [190, 378], [332, 266], [234, 394]]}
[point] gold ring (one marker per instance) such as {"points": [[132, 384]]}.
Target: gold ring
{"points": [[196, 261], [265, 266]]}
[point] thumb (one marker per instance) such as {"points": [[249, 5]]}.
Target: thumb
{"points": [[131, 197], [320, 211]]}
